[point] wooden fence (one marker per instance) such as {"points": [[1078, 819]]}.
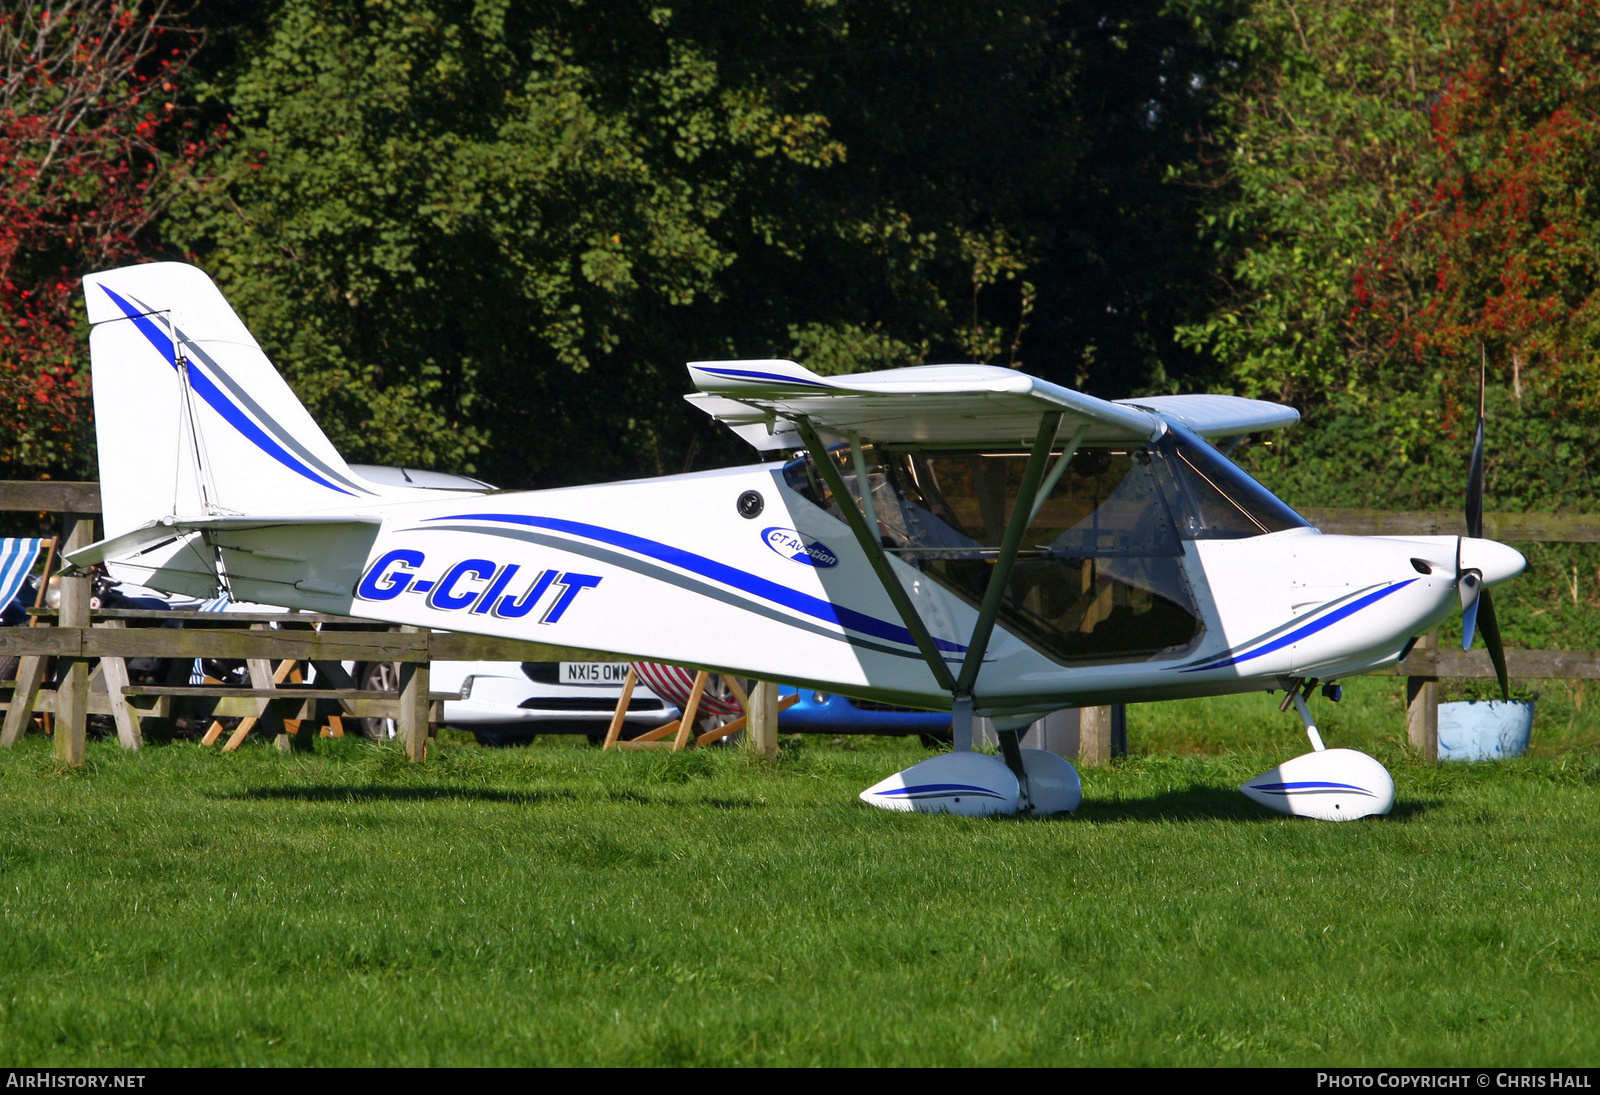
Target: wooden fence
{"points": [[78, 638], [266, 642]]}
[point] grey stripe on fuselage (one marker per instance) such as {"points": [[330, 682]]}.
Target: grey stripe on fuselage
{"points": [[661, 574]]}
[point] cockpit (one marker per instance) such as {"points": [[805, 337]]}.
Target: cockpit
{"points": [[1099, 575]]}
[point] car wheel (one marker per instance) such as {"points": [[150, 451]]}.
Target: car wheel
{"points": [[378, 677]]}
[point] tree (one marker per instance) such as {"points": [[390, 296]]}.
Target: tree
{"points": [[88, 94], [446, 222], [488, 235], [1320, 143], [1402, 194], [1509, 232]]}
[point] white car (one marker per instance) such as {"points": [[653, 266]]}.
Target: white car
{"points": [[502, 702]]}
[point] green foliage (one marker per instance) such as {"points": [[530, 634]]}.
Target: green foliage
{"points": [[1406, 194], [1323, 143], [439, 217], [1510, 231], [485, 235]]}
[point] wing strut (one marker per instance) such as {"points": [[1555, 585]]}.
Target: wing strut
{"points": [[1024, 508], [1000, 576], [875, 554]]}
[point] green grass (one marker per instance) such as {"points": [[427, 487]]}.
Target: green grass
{"points": [[557, 905], [1371, 717]]}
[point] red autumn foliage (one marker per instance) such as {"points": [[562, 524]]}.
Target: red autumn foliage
{"points": [[90, 138], [1511, 228]]}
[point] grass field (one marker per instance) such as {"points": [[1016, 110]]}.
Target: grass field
{"points": [[557, 905]]}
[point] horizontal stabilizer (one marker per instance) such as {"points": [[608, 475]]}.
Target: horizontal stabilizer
{"points": [[168, 529], [924, 404]]}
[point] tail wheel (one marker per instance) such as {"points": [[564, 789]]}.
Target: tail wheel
{"points": [[379, 677]]}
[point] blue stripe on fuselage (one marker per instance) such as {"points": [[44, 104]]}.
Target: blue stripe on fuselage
{"points": [[805, 603], [1300, 633]]}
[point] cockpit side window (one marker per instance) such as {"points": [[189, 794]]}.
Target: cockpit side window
{"points": [[1099, 574]]}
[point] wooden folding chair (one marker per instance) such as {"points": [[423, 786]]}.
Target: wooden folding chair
{"points": [[687, 691]]}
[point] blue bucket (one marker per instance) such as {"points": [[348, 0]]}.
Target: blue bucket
{"points": [[1484, 729]]}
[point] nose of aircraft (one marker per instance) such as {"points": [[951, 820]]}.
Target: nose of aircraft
{"points": [[1494, 560]]}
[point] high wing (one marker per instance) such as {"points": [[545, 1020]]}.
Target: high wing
{"points": [[947, 405]]}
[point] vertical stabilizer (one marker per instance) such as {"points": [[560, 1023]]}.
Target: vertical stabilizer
{"points": [[190, 416]]}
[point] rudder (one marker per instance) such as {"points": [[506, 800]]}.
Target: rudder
{"points": [[191, 418]]}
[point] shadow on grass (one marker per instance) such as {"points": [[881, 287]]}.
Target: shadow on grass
{"points": [[336, 793], [1201, 803], [379, 793]]}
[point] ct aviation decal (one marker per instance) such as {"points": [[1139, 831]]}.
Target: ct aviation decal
{"points": [[753, 584], [791, 545], [1281, 637]]}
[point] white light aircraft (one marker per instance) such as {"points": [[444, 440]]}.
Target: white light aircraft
{"points": [[960, 536]]}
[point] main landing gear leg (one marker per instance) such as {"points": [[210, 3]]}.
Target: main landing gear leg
{"points": [[1328, 784], [961, 724]]}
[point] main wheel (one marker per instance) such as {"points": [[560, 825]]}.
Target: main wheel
{"points": [[378, 677]]}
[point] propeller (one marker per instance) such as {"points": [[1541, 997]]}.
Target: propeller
{"points": [[1477, 606]]}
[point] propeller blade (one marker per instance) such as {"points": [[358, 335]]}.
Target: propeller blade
{"points": [[1469, 621], [1475, 488], [1491, 639]]}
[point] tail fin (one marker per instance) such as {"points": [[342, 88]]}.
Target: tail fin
{"points": [[191, 418]]}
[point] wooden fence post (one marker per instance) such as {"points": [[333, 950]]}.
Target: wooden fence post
{"points": [[114, 672], [1094, 735], [763, 724], [72, 695], [412, 725], [1422, 706]]}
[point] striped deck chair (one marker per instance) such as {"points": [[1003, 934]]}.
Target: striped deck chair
{"points": [[17, 556], [689, 692]]}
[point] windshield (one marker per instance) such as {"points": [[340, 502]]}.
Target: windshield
{"points": [[1099, 574]]}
